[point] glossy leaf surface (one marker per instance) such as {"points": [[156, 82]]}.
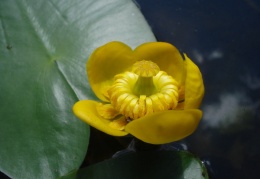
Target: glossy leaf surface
{"points": [[44, 47]]}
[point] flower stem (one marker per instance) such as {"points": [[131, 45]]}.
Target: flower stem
{"points": [[137, 145]]}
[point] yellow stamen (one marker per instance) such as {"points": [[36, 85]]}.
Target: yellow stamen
{"points": [[118, 124], [143, 91], [107, 111]]}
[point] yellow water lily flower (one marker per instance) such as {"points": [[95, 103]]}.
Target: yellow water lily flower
{"points": [[151, 92]]}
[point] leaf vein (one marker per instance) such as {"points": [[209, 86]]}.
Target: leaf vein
{"points": [[4, 39], [66, 79], [37, 27], [58, 12]]}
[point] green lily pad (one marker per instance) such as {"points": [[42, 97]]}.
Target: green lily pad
{"points": [[139, 165], [44, 46]]}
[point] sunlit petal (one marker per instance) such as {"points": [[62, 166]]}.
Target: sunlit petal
{"points": [[194, 87], [104, 63], [165, 127], [86, 110]]}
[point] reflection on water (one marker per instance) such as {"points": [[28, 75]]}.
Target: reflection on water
{"points": [[252, 82], [223, 38], [212, 55], [231, 108]]}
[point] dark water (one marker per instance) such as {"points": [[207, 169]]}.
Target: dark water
{"points": [[223, 38]]}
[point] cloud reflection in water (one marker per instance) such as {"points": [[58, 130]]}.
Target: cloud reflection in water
{"points": [[231, 108]]}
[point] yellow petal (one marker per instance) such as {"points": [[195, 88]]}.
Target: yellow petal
{"points": [[86, 110], [165, 127], [165, 55], [104, 63], [194, 87]]}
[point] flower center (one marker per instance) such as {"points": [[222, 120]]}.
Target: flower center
{"points": [[143, 91], [145, 70]]}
